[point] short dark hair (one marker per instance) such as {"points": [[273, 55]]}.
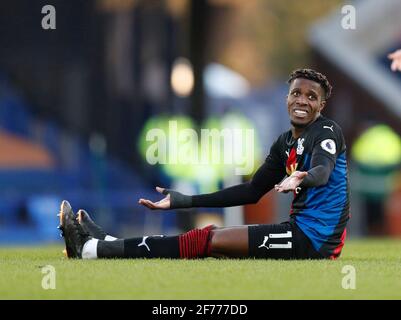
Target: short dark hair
{"points": [[313, 75]]}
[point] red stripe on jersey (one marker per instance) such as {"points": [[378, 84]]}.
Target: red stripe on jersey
{"points": [[291, 164], [337, 250]]}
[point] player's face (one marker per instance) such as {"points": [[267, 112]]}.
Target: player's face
{"points": [[304, 101]]}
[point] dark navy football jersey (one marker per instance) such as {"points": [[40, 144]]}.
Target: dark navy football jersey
{"points": [[320, 212]]}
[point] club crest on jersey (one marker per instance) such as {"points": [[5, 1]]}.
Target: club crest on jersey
{"points": [[300, 147], [291, 165], [328, 145]]}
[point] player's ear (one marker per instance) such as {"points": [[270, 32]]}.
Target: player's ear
{"points": [[322, 104]]}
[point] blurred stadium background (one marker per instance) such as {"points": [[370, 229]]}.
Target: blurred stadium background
{"points": [[76, 103]]}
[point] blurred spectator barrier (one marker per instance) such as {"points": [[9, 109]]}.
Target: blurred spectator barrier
{"points": [[377, 155]]}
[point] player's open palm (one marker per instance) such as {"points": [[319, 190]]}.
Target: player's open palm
{"points": [[163, 204], [292, 182]]}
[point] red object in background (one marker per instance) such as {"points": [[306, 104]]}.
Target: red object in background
{"points": [[17, 153], [393, 213], [263, 212]]}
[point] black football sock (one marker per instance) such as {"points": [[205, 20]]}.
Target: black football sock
{"points": [[110, 249], [190, 245], [152, 247], [143, 247]]}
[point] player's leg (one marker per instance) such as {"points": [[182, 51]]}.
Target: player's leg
{"points": [[162, 247], [210, 241], [80, 243], [192, 244], [278, 241]]}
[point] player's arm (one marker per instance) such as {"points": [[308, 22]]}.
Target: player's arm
{"points": [[246, 193], [269, 174], [319, 174], [250, 192]]}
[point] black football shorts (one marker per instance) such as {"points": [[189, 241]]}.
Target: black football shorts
{"points": [[280, 241]]}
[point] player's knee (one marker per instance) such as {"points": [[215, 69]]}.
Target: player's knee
{"points": [[228, 242], [209, 232], [215, 242]]}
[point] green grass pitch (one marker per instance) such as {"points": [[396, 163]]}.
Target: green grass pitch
{"points": [[377, 264]]}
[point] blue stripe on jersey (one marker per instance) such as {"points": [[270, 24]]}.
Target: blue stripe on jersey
{"points": [[324, 205], [306, 162]]}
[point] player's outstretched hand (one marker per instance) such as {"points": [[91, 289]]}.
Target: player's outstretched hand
{"points": [[163, 204], [396, 57], [292, 182]]}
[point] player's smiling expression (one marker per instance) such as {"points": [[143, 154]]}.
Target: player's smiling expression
{"points": [[305, 101]]}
